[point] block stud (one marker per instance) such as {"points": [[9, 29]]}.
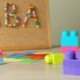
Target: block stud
{"points": [[49, 58], [65, 33], [74, 33], [70, 55]]}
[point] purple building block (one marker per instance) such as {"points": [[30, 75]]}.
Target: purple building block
{"points": [[71, 61], [71, 71], [71, 64]]}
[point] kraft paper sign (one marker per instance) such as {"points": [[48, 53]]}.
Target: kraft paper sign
{"points": [[24, 24]]}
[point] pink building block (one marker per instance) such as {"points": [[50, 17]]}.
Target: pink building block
{"points": [[65, 49], [0, 52]]}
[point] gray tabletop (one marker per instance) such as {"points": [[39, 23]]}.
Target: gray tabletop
{"points": [[35, 71]]}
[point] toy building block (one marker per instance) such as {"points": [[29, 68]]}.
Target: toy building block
{"points": [[54, 58], [65, 49], [1, 61], [71, 63], [69, 39], [0, 52]]}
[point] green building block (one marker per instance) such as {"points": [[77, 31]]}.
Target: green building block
{"points": [[54, 58]]}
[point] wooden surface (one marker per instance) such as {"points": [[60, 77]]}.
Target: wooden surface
{"points": [[29, 37], [36, 71]]}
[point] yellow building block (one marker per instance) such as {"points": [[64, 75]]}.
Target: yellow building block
{"points": [[11, 60], [54, 58]]}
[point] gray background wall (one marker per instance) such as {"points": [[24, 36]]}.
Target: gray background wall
{"points": [[65, 15]]}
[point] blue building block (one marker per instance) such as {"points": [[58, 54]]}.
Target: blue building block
{"points": [[69, 39], [1, 61]]}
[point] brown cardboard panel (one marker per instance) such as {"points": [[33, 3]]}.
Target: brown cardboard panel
{"points": [[29, 37]]}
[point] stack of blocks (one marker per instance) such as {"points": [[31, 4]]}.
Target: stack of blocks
{"points": [[71, 63], [69, 41]]}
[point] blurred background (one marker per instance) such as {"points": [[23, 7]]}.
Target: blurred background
{"points": [[65, 15]]}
